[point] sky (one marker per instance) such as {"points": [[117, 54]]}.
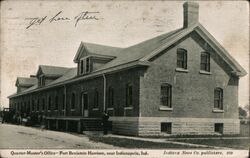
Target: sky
{"points": [[120, 24]]}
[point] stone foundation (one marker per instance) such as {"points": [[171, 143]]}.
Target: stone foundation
{"points": [[151, 126]]}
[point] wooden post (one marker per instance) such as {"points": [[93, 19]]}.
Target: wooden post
{"points": [[79, 127], [57, 127], [67, 125], [48, 122]]}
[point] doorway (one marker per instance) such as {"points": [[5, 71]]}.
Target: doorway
{"points": [[85, 104]]}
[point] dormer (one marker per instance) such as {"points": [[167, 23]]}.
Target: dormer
{"points": [[47, 74], [23, 83], [91, 57]]}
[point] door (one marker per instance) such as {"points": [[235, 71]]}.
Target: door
{"points": [[85, 105]]}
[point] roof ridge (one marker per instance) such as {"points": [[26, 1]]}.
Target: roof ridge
{"points": [[164, 36], [52, 66], [102, 45]]}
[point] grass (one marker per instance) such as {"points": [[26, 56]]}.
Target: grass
{"points": [[133, 144], [229, 143]]}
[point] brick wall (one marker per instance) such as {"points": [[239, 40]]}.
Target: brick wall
{"points": [[192, 92], [116, 80]]}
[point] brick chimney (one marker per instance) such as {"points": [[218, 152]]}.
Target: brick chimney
{"points": [[32, 76], [191, 13]]}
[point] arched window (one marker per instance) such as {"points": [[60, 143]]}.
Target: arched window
{"points": [[205, 61], [73, 98], [182, 58], [218, 98], [49, 105], [38, 105], [63, 102], [96, 98], [43, 106], [129, 95], [56, 103], [111, 97], [33, 105], [166, 95]]}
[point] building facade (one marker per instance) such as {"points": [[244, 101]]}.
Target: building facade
{"points": [[182, 82]]}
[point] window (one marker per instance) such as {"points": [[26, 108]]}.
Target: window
{"points": [[56, 103], [29, 106], [73, 101], [87, 64], [129, 95], [205, 62], [182, 58], [85, 101], [63, 102], [166, 95], [49, 105], [218, 128], [84, 65], [38, 105], [41, 80], [218, 98], [25, 106], [33, 105], [166, 127], [43, 106], [111, 97], [81, 67], [96, 99]]}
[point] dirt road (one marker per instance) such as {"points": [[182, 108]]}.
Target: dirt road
{"points": [[14, 136]]}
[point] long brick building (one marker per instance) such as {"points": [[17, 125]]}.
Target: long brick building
{"points": [[181, 82]]}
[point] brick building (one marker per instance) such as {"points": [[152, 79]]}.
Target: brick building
{"points": [[181, 82]]}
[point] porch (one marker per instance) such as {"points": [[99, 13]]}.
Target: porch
{"points": [[74, 124]]}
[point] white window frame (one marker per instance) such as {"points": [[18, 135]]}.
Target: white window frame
{"points": [[81, 66], [87, 62]]}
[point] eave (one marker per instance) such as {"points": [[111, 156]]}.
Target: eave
{"points": [[94, 74]]}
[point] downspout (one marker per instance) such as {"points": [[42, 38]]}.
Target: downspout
{"points": [[104, 92]]}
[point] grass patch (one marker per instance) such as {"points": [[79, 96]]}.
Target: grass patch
{"points": [[129, 143], [229, 143]]}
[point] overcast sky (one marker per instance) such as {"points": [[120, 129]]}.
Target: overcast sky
{"points": [[120, 24]]}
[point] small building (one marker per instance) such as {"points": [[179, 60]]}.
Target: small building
{"points": [[181, 82]]}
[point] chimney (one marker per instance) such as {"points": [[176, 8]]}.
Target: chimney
{"points": [[191, 13], [32, 76]]}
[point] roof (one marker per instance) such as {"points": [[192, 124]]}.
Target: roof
{"points": [[51, 70], [69, 74], [24, 81], [139, 50], [98, 49], [136, 55]]}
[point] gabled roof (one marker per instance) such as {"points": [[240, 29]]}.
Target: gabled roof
{"points": [[136, 55], [138, 51], [69, 74], [146, 50], [237, 69], [24, 81], [51, 71], [96, 49]]}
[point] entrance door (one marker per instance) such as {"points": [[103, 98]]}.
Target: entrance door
{"points": [[85, 105]]}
